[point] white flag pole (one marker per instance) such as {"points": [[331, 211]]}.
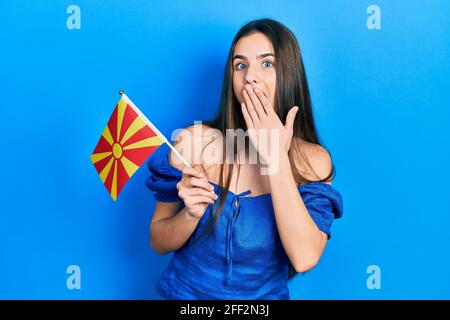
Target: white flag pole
{"points": [[148, 122]]}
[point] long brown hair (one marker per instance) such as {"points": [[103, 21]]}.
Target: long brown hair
{"points": [[291, 90]]}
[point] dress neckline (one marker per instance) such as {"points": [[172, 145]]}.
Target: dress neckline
{"points": [[243, 194]]}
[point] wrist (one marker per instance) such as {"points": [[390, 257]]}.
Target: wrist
{"points": [[276, 160], [189, 216], [278, 165]]}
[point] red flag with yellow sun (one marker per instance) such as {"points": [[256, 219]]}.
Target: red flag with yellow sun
{"points": [[127, 141]]}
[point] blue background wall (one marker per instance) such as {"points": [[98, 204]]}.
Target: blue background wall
{"points": [[381, 103]]}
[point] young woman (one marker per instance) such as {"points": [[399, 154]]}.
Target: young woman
{"points": [[237, 231]]}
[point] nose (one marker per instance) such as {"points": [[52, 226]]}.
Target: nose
{"points": [[251, 76]]}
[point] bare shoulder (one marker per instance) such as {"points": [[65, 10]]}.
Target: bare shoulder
{"points": [[190, 143], [316, 163]]}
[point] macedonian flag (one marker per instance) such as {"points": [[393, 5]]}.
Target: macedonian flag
{"points": [[127, 141]]}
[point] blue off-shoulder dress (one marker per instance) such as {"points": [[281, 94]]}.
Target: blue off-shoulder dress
{"points": [[243, 258]]}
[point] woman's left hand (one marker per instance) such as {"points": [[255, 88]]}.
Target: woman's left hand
{"points": [[262, 122]]}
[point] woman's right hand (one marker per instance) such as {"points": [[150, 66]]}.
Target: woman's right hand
{"points": [[195, 191]]}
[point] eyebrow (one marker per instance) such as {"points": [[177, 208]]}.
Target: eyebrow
{"points": [[263, 55]]}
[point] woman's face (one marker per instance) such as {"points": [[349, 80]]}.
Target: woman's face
{"points": [[254, 64]]}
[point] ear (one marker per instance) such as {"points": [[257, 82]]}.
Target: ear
{"points": [[291, 117]]}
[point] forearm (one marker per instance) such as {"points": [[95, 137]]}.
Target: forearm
{"points": [[301, 238], [171, 234]]}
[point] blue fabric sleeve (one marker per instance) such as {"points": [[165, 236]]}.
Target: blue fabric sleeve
{"points": [[163, 177], [324, 204]]}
